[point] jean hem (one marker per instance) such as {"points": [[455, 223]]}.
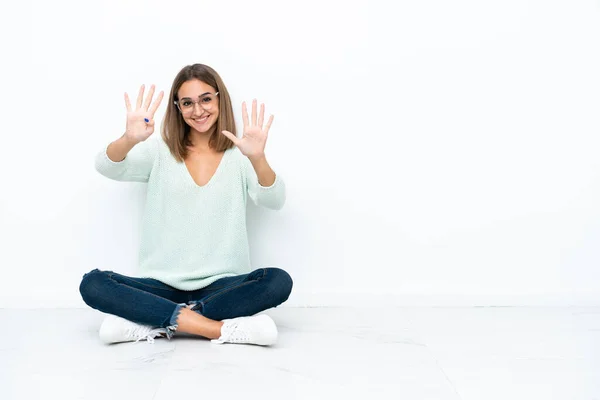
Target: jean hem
{"points": [[172, 327]]}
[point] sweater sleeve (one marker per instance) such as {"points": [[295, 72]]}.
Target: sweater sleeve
{"points": [[272, 197], [136, 166]]}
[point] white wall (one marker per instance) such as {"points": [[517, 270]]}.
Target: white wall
{"points": [[435, 152]]}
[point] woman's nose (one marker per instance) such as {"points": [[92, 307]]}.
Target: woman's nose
{"points": [[198, 107]]}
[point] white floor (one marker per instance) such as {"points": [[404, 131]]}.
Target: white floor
{"points": [[323, 353]]}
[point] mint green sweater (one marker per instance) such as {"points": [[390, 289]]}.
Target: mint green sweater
{"points": [[192, 235]]}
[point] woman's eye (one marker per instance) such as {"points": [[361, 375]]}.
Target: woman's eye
{"points": [[186, 103], [206, 99]]}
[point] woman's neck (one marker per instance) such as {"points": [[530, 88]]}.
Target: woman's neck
{"points": [[200, 140]]}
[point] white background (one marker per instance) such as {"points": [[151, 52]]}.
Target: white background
{"points": [[434, 152]]}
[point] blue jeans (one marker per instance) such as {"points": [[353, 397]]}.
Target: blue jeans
{"points": [[151, 302]]}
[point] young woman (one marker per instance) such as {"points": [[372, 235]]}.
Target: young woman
{"points": [[194, 264]]}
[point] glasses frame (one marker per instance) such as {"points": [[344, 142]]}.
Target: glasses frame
{"points": [[176, 102]]}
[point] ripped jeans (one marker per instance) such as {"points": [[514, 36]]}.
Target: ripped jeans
{"points": [[150, 302]]}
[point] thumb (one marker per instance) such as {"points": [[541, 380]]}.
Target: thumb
{"points": [[231, 136]]}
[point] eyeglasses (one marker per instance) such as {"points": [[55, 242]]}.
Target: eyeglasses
{"points": [[206, 101]]}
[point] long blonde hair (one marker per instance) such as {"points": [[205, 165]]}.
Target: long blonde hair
{"points": [[175, 131]]}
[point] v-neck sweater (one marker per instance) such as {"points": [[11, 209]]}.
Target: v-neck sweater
{"points": [[192, 235]]}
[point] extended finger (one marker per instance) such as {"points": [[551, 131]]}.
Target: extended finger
{"points": [[244, 114], [127, 103], [261, 115], [149, 98], [254, 112], [156, 103], [140, 98]]}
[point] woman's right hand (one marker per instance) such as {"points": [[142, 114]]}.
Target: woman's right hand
{"points": [[138, 129]]}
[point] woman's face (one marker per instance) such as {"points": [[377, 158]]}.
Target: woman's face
{"points": [[199, 105]]}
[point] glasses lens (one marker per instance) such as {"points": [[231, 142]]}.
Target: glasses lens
{"points": [[207, 101], [185, 106]]}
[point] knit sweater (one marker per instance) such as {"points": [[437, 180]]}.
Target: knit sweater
{"points": [[192, 235]]}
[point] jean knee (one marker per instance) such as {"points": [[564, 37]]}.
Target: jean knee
{"points": [[91, 285], [282, 283]]}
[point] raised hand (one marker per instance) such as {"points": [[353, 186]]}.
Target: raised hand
{"points": [[138, 129], [253, 140]]}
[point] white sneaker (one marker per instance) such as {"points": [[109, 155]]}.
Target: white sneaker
{"points": [[116, 330], [259, 329]]}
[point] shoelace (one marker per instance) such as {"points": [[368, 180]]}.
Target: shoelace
{"points": [[142, 332], [233, 335]]}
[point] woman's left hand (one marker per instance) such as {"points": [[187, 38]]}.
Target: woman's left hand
{"points": [[253, 141]]}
